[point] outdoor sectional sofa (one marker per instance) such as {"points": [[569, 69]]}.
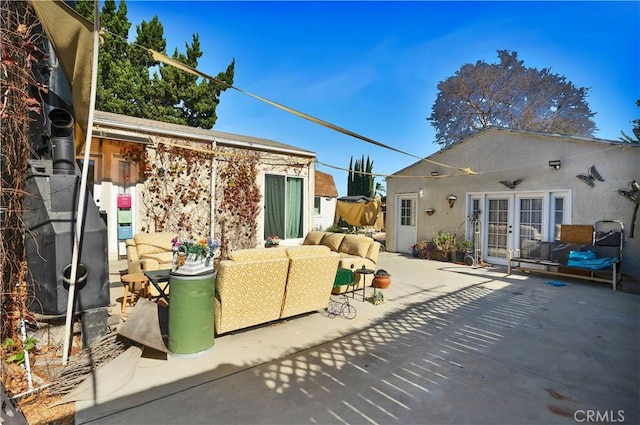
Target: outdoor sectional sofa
{"points": [[149, 251], [257, 286], [356, 251]]}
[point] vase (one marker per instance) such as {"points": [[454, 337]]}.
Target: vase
{"points": [[191, 264], [381, 282]]}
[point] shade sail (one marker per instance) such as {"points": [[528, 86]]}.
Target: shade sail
{"points": [[72, 38]]}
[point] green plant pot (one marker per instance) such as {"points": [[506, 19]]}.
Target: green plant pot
{"points": [[191, 330]]}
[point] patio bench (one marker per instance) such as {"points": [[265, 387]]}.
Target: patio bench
{"points": [[553, 258]]}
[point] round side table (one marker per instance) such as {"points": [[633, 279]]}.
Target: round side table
{"points": [[364, 272], [135, 285]]}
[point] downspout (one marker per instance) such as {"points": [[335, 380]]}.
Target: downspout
{"points": [[312, 185], [213, 191]]}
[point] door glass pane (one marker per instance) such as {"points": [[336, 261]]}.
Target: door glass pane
{"points": [[274, 203], [531, 226], [476, 209], [316, 205], [293, 208], [558, 216], [283, 206], [407, 217], [497, 228], [530, 219]]}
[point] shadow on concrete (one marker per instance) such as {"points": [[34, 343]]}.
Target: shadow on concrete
{"points": [[499, 351]]}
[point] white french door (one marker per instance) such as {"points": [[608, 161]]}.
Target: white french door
{"points": [[520, 220], [498, 228], [406, 230]]}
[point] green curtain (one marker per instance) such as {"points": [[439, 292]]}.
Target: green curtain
{"points": [[274, 204], [294, 208]]}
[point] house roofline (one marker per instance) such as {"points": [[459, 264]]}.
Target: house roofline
{"points": [[511, 130], [124, 122]]}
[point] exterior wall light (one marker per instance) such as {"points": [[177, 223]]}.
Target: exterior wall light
{"points": [[430, 211], [452, 200], [556, 163], [435, 174], [421, 192]]}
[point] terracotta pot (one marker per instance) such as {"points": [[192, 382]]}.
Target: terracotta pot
{"points": [[381, 282]]}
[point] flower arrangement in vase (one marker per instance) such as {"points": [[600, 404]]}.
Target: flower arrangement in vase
{"points": [[193, 256], [272, 241]]}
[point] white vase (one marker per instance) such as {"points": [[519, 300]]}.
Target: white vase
{"points": [[192, 264]]}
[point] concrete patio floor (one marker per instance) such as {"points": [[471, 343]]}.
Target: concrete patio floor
{"points": [[451, 344]]}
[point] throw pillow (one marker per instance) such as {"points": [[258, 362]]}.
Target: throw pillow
{"points": [[332, 240], [355, 245], [313, 238]]}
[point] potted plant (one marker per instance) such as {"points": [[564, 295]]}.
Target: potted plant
{"points": [[381, 279], [193, 256], [272, 241], [376, 298], [445, 246], [425, 249], [462, 247]]}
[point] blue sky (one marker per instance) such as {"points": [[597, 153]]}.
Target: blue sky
{"points": [[373, 67]]}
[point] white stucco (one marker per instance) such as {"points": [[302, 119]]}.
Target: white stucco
{"points": [[327, 212], [495, 155]]}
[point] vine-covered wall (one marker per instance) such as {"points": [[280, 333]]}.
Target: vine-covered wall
{"points": [[239, 193], [177, 189], [176, 195]]}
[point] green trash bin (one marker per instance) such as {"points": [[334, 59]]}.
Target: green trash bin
{"points": [[191, 313]]}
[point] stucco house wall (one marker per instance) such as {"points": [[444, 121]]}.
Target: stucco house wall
{"points": [[326, 198], [494, 155], [113, 134]]}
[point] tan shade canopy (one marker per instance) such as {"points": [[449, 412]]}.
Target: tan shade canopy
{"points": [[359, 213], [72, 38]]}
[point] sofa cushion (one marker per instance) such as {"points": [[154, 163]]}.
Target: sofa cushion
{"points": [[306, 251], [160, 257], [249, 292], [312, 270], [151, 243], [313, 238], [355, 245], [332, 240], [354, 262], [374, 251], [244, 255]]}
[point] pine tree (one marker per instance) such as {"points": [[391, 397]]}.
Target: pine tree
{"points": [[360, 181], [124, 82]]}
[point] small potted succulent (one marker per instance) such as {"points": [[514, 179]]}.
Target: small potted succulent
{"points": [[272, 241]]}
